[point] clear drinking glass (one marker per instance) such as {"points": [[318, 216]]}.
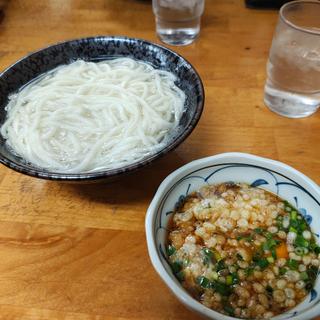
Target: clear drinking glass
{"points": [[178, 21], [293, 71]]}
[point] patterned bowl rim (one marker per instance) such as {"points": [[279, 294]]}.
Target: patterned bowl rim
{"points": [[168, 182], [40, 173]]}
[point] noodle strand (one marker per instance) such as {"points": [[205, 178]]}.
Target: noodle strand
{"points": [[87, 116]]}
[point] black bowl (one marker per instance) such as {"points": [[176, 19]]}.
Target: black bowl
{"points": [[93, 49]]}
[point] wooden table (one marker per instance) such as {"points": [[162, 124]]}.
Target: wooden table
{"points": [[79, 251]]}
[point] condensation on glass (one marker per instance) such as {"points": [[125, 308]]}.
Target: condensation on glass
{"points": [[293, 71]]}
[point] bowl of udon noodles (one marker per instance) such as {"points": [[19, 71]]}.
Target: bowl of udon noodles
{"points": [[96, 108], [237, 236]]}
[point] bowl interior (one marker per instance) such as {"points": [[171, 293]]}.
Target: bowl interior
{"points": [[97, 49], [269, 177]]}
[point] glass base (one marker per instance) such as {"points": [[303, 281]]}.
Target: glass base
{"points": [[178, 33], [181, 37], [290, 104]]}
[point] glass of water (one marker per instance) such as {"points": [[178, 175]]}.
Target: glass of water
{"points": [[178, 21], [293, 71]]}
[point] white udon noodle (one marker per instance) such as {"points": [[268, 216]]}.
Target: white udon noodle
{"points": [[87, 116]]}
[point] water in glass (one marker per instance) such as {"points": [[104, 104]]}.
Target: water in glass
{"points": [[178, 21], [293, 70]]}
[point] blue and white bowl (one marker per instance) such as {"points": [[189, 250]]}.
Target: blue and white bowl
{"points": [[271, 175]]}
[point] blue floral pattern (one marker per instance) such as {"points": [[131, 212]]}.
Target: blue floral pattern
{"points": [[303, 211], [313, 295], [259, 182]]}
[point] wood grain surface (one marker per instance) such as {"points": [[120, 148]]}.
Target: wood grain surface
{"points": [[79, 251]]}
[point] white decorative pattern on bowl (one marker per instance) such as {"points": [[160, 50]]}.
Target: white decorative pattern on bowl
{"points": [[274, 176]]}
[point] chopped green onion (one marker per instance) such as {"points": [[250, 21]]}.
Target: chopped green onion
{"points": [[229, 280], [221, 288], [271, 243], [220, 265], [292, 264], [295, 225], [245, 237], [300, 241], [279, 218], [249, 271], [268, 235], [299, 251], [203, 282], [235, 278], [215, 275], [208, 256], [258, 230], [304, 276], [229, 310], [263, 263], [312, 244], [180, 275], [282, 271], [288, 206], [265, 246], [171, 250], [217, 255], [314, 247], [292, 229], [207, 252], [312, 272], [293, 215], [302, 226], [270, 259], [273, 253], [176, 266]]}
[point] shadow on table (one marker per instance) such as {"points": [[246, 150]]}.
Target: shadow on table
{"points": [[134, 187], [3, 6]]}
